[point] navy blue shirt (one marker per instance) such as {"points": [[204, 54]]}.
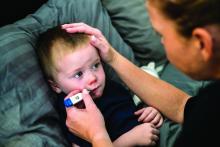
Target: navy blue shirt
{"points": [[117, 107]]}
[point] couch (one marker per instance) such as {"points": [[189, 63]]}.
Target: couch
{"points": [[28, 115]]}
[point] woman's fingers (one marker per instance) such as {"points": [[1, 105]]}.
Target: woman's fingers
{"points": [[82, 28]]}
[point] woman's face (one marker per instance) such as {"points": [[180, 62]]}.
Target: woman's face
{"points": [[181, 52]]}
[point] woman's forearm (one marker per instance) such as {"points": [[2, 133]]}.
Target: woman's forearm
{"points": [[153, 91]]}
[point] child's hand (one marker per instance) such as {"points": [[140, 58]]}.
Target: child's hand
{"points": [[145, 134], [150, 115]]}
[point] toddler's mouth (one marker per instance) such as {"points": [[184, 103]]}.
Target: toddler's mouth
{"points": [[92, 92], [89, 90]]}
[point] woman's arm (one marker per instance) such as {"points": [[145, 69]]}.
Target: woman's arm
{"points": [[155, 92]]}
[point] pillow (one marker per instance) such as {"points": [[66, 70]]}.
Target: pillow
{"points": [[27, 113], [132, 22]]}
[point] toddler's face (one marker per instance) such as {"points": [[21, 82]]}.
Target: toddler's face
{"points": [[81, 69]]}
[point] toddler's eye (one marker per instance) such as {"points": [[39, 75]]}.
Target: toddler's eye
{"points": [[95, 66], [78, 74]]}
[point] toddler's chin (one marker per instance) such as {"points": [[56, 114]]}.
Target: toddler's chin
{"points": [[96, 96]]}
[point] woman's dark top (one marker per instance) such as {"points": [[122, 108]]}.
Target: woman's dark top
{"points": [[201, 125]]}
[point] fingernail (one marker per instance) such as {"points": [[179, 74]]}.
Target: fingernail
{"points": [[85, 91], [93, 38]]}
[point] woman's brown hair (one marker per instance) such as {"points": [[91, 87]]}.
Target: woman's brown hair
{"points": [[189, 14]]}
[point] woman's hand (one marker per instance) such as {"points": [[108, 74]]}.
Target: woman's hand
{"points": [[86, 123], [97, 39]]}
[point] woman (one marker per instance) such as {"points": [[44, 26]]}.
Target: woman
{"points": [[189, 31]]}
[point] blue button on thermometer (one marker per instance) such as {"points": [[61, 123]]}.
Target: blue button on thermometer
{"points": [[73, 100]]}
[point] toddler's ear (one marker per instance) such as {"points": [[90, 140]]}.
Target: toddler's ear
{"points": [[54, 86]]}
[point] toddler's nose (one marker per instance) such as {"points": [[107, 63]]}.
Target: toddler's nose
{"points": [[92, 79]]}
